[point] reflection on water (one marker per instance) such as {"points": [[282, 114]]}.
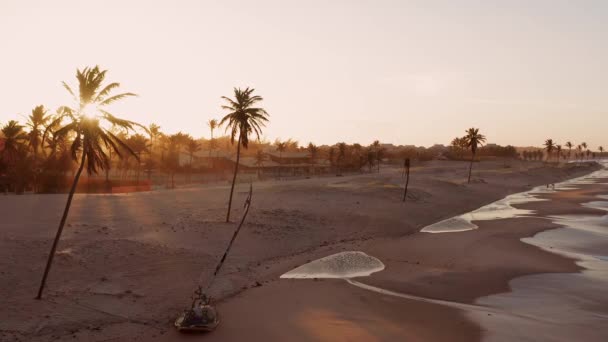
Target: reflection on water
{"points": [[340, 265], [503, 209], [574, 305]]}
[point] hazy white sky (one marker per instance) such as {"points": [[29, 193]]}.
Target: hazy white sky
{"points": [[407, 72]]}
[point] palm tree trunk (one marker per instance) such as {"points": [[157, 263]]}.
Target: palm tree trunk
{"points": [[236, 170], [471, 166], [61, 225]]}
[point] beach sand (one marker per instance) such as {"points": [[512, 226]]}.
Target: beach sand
{"points": [[128, 264]]}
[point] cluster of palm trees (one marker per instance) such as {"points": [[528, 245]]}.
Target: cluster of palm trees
{"points": [[581, 151], [355, 157], [532, 155], [84, 129]]}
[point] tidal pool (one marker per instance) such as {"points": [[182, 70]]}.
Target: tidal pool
{"points": [[341, 265]]}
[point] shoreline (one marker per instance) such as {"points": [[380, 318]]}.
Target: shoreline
{"points": [[551, 263], [290, 223]]}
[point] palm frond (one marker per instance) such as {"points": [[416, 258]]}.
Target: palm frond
{"points": [[115, 98], [106, 91]]}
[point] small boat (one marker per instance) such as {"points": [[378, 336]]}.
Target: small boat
{"points": [[200, 317]]}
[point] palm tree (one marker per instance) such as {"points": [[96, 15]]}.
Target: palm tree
{"points": [[583, 146], [313, 150], [37, 121], [474, 140], [154, 133], [558, 149], [192, 147], [549, 146], [14, 156], [212, 126], [281, 147], [90, 136], [291, 144], [14, 138], [242, 120], [569, 146], [601, 149]]}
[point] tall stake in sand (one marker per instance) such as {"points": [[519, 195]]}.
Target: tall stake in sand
{"points": [[406, 165]]}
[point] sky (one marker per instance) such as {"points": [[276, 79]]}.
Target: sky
{"points": [[402, 72]]}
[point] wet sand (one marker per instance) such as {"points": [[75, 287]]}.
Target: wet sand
{"points": [[128, 264]]}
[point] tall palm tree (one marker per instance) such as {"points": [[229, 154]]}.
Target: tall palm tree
{"points": [[474, 140], [456, 146], [212, 126], [583, 146], [569, 146], [601, 149], [153, 133], [549, 146], [90, 136], [242, 120], [192, 147], [15, 158], [37, 121], [14, 138], [558, 149]]}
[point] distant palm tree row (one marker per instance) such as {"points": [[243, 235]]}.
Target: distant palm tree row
{"points": [[556, 152]]}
